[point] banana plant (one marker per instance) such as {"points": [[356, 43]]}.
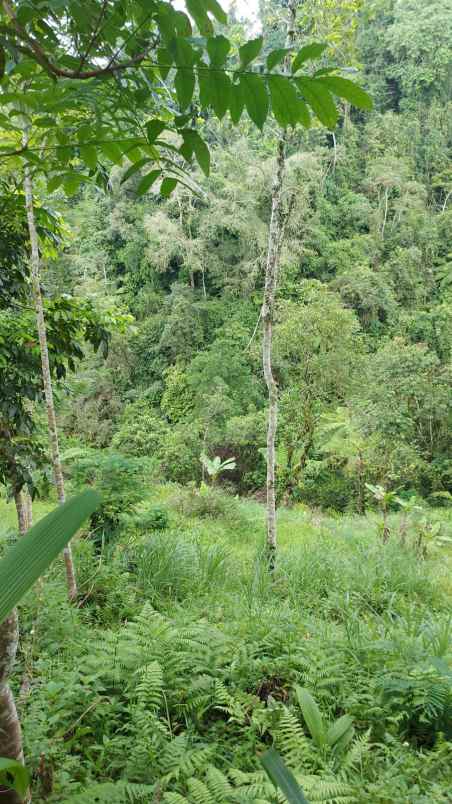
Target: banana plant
{"points": [[215, 466], [327, 736]]}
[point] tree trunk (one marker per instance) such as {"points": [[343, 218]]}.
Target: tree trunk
{"points": [[268, 311], [28, 511], [21, 510], [46, 376], [10, 732]]}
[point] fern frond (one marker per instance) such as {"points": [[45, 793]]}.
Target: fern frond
{"points": [[218, 784], [200, 793], [150, 687]]}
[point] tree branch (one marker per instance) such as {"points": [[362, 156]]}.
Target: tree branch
{"points": [[59, 72]]}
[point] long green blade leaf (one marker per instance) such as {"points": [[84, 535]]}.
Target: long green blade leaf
{"points": [[31, 555], [282, 777]]}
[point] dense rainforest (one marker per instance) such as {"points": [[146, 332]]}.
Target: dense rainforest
{"points": [[182, 655], [364, 317]]}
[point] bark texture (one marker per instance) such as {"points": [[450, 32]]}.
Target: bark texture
{"points": [[22, 520], [268, 310], [46, 376], [275, 237], [10, 732]]}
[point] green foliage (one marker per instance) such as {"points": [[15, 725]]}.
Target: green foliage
{"points": [[204, 673], [119, 479], [141, 430], [25, 562], [207, 501], [14, 776]]}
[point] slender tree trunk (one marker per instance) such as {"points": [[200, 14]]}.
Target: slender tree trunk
{"points": [[28, 510], [268, 311], [46, 376], [19, 501], [10, 731]]}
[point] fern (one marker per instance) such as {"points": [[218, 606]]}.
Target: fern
{"points": [[150, 687], [199, 792], [109, 793]]}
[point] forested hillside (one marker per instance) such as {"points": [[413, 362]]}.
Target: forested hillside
{"points": [[225, 337], [364, 304]]}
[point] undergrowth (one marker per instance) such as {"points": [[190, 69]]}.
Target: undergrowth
{"points": [[181, 664]]}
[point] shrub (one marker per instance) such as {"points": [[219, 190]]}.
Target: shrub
{"points": [[179, 454], [120, 481], [207, 501], [141, 430], [152, 519]]}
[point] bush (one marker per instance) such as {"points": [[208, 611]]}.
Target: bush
{"points": [[207, 501], [179, 454], [120, 481], [141, 430], [152, 519], [329, 489]]}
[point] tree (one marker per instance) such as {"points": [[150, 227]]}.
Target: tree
{"points": [[404, 399], [46, 374], [317, 355], [340, 438]]}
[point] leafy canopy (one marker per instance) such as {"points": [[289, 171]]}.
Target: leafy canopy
{"points": [[115, 81]]}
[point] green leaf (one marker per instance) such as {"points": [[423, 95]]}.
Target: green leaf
{"points": [[154, 128], [218, 48], [31, 555], [184, 55], [344, 88], [338, 729], [282, 777], [214, 7], [196, 145], [147, 181], [249, 51], [285, 101], [134, 169], [164, 61], [236, 102], [54, 182], [198, 10], [88, 154], [215, 91], [72, 182], [312, 715], [167, 186], [184, 84], [14, 775], [255, 97], [276, 57], [319, 99], [307, 53], [112, 151]]}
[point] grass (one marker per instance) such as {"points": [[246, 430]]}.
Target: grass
{"points": [[180, 664]]}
